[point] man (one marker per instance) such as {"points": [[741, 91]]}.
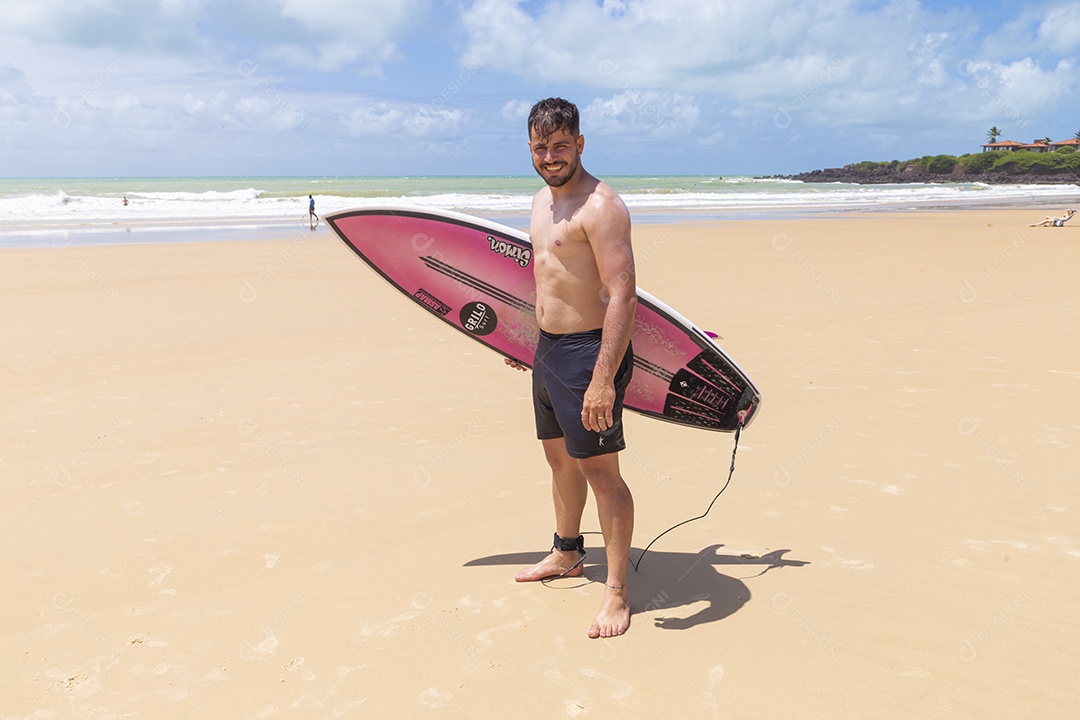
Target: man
{"points": [[586, 294], [312, 217]]}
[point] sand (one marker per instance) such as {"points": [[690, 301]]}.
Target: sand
{"points": [[247, 480]]}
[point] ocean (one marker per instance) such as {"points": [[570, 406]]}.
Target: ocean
{"points": [[40, 211]]}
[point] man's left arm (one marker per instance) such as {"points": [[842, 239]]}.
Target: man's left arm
{"points": [[609, 236]]}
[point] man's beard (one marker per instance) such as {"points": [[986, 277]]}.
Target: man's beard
{"points": [[567, 175]]}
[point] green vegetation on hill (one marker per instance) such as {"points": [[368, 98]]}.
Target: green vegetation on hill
{"points": [[1061, 161]]}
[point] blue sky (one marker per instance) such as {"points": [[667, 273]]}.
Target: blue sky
{"points": [[432, 87]]}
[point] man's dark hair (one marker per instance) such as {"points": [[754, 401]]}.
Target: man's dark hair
{"points": [[551, 115]]}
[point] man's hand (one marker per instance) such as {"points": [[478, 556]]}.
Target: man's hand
{"points": [[515, 364], [596, 411]]}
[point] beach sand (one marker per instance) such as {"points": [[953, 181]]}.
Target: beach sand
{"points": [[248, 480]]}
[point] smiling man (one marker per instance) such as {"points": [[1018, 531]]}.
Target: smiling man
{"points": [[586, 295]]}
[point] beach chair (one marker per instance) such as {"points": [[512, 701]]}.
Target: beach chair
{"points": [[1054, 221], [1060, 222]]}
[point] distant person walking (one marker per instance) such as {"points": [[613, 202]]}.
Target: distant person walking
{"points": [[312, 217]]}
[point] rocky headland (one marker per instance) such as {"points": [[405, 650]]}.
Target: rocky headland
{"points": [[992, 168]]}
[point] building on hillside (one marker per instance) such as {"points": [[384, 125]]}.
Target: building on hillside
{"points": [[1009, 145], [1034, 146], [1038, 146]]}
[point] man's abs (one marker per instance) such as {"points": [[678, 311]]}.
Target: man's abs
{"points": [[569, 310]]}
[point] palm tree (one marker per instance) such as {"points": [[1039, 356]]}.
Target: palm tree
{"points": [[1077, 135], [993, 134]]}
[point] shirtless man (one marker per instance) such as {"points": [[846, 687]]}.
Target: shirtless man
{"points": [[586, 293]]}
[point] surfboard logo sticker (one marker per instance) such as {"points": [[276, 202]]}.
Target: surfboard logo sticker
{"points": [[478, 318], [518, 253], [431, 302]]}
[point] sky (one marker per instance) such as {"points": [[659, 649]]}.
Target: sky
{"points": [[137, 88]]}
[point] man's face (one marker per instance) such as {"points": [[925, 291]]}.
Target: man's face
{"points": [[557, 157]]}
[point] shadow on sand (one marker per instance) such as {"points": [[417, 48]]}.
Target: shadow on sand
{"points": [[669, 580]]}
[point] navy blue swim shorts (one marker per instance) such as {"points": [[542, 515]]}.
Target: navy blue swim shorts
{"points": [[562, 371]]}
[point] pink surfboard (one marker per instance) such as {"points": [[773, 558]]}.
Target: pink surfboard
{"points": [[477, 276]]}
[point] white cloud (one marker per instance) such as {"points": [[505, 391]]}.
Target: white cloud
{"points": [[206, 81], [364, 22], [193, 105], [678, 44], [647, 113], [324, 35], [99, 23], [14, 89], [1059, 29], [516, 111], [347, 32], [1026, 84], [385, 119], [834, 62]]}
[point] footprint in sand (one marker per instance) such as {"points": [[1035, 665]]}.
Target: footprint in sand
{"points": [[79, 685], [434, 698], [619, 689], [159, 572], [708, 698], [847, 563], [295, 666]]}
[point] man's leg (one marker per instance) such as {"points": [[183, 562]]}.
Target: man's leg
{"points": [[569, 491], [615, 506]]}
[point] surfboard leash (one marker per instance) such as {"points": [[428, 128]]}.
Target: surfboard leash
{"points": [[731, 472], [567, 545]]}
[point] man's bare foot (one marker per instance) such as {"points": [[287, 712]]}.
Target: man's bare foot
{"points": [[614, 616], [556, 564]]}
